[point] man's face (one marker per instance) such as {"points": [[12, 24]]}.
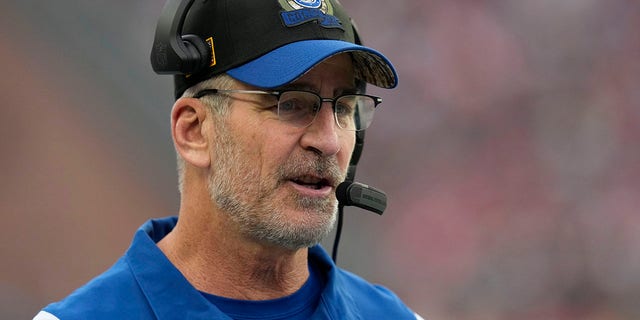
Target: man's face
{"points": [[276, 181]]}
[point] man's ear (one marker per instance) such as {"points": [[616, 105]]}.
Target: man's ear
{"points": [[190, 135]]}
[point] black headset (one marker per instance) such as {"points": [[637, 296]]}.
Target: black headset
{"points": [[174, 53]]}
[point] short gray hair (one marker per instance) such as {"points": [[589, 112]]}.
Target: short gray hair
{"points": [[218, 106]]}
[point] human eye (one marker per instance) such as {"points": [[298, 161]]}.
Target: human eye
{"points": [[294, 103], [290, 105], [346, 106]]}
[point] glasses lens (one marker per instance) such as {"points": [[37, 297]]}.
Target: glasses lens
{"points": [[298, 108], [355, 112]]}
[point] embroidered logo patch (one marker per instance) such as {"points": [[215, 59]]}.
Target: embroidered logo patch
{"points": [[297, 12]]}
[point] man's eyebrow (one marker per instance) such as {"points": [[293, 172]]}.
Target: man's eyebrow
{"points": [[349, 90], [307, 87], [295, 86]]}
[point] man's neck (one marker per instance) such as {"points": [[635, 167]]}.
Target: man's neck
{"points": [[224, 264]]}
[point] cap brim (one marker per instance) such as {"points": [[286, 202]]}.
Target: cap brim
{"points": [[287, 63]]}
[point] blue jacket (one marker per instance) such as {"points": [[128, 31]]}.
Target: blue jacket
{"points": [[143, 284]]}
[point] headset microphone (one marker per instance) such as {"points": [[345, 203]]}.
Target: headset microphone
{"points": [[351, 193]]}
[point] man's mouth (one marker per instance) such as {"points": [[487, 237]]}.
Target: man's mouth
{"points": [[312, 182]]}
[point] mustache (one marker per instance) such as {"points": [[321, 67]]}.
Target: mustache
{"points": [[322, 167]]}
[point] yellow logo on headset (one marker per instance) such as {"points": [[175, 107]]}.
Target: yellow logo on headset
{"points": [[213, 52]]}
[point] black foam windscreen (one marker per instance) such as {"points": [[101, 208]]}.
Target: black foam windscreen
{"points": [[362, 196]]}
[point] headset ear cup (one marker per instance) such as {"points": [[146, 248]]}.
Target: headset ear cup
{"points": [[199, 54]]}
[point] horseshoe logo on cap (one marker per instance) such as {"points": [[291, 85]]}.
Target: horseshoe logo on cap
{"points": [[322, 5], [309, 3]]}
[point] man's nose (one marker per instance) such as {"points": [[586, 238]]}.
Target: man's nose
{"points": [[322, 134]]}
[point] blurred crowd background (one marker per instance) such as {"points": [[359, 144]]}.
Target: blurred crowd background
{"points": [[510, 153]]}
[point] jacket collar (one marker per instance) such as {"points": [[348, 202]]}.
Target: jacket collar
{"points": [[336, 302], [168, 292], [171, 296]]}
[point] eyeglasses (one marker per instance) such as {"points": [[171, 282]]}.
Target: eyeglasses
{"points": [[353, 112]]}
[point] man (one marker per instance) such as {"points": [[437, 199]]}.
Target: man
{"points": [[264, 131]]}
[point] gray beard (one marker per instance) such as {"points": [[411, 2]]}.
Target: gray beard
{"points": [[252, 206]]}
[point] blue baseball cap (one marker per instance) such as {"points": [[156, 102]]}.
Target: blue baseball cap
{"points": [[270, 43]]}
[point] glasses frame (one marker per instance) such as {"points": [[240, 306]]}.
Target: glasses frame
{"points": [[278, 93]]}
